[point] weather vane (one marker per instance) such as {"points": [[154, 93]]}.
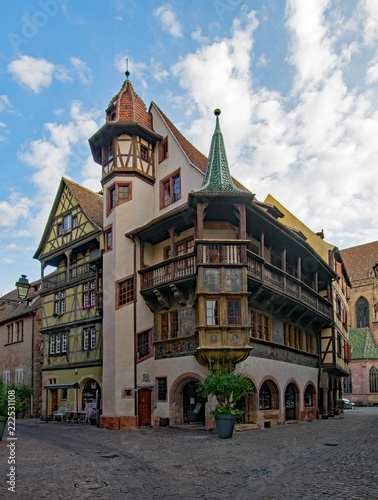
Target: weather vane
{"points": [[127, 72]]}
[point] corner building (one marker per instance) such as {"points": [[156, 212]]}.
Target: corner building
{"points": [[195, 269]]}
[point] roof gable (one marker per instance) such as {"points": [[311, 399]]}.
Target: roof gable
{"points": [[82, 204]]}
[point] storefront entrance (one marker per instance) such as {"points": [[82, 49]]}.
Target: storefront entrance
{"points": [[144, 407], [290, 402], [89, 393], [194, 404]]}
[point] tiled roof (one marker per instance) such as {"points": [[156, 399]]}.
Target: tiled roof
{"points": [[217, 176], [363, 344], [90, 202], [194, 156], [359, 261], [33, 302], [129, 107]]}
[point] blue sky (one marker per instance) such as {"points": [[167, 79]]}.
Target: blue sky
{"points": [[297, 83]]}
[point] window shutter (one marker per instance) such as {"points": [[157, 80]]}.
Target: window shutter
{"points": [[339, 269], [348, 292]]}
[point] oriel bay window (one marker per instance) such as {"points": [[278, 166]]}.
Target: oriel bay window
{"points": [[212, 312], [233, 312], [169, 325]]}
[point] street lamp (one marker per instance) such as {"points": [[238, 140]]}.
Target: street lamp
{"points": [[22, 286]]}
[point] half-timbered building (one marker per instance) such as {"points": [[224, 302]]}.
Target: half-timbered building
{"points": [[196, 269], [71, 313]]}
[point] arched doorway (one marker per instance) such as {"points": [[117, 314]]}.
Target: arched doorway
{"points": [[249, 406], [90, 389], [193, 404], [291, 402]]}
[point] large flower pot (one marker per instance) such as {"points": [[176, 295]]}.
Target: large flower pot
{"points": [[3, 423], [225, 425]]}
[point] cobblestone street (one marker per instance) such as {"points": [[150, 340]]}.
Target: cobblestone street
{"points": [[321, 459]]}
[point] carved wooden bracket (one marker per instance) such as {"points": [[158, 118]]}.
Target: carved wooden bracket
{"points": [[177, 294], [162, 301]]}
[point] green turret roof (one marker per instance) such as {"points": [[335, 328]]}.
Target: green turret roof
{"points": [[217, 178]]}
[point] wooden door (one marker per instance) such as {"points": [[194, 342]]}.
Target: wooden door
{"points": [[144, 407], [54, 401]]}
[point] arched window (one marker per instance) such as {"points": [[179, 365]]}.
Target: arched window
{"points": [[373, 379], [309, 396], [265, 400], [347, 384], [362, 313]]}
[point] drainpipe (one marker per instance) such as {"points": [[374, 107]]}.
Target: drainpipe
{"points": [[32, 369], [135, 330]]}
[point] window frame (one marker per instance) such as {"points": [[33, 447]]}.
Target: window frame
{"points": [[261, 326], [169, 181], [58, 339], [169, 325], [119, 303], [108, 230], [158, 393], [163, 150], [59, 303], [67, 223], [214, 316], [236, 320], [144, 156], [147, 345], [113, 201], [108, 152]]}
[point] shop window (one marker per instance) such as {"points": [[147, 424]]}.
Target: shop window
{"points": [[265, 397], [309, 399], [212, 312], [125, 292], [162, 388], [170, 189]]}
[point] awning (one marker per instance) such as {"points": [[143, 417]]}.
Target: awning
{"points": [[72, 385]]}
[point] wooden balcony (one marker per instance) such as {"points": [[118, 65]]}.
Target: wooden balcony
{"points": [[172, 270], [75, 273]]}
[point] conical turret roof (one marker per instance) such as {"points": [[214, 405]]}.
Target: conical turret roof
{"points": [[217, 178]]}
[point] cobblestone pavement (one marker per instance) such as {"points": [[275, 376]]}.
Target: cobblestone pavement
{"points": [[321, 459]]}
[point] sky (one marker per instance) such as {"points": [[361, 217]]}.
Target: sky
{"points": [[296, 80]]}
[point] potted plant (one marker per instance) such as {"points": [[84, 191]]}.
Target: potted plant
{"points": [[228, 387]]}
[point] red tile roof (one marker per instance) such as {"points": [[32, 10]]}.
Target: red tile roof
{"points": [[130, 108], [90, 202], [194, 156], [359, 261]]}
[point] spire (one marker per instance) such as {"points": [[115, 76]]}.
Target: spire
{"points": [[127, 72], [217, 176]]}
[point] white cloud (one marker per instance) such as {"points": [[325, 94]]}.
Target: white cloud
{"points": [[32, 72], [370, 24], [314, 148], [198, 37], [12, 211], [169, 20], [38, 73], [372, 71], [81, 68], [147, 74]]}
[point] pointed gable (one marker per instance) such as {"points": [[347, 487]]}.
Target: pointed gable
{"points": [[75, 202], [217, 178], [128, 107]]}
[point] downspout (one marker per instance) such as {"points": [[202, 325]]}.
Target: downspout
{"points": [[32, 369], [135, 330]]}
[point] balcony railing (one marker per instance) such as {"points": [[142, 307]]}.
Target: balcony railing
{"points": [[220, 253], [76, 273], [177, 268]]}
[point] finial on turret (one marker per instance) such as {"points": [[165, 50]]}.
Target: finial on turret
{"points": [[217, 112], [127, 72]]}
